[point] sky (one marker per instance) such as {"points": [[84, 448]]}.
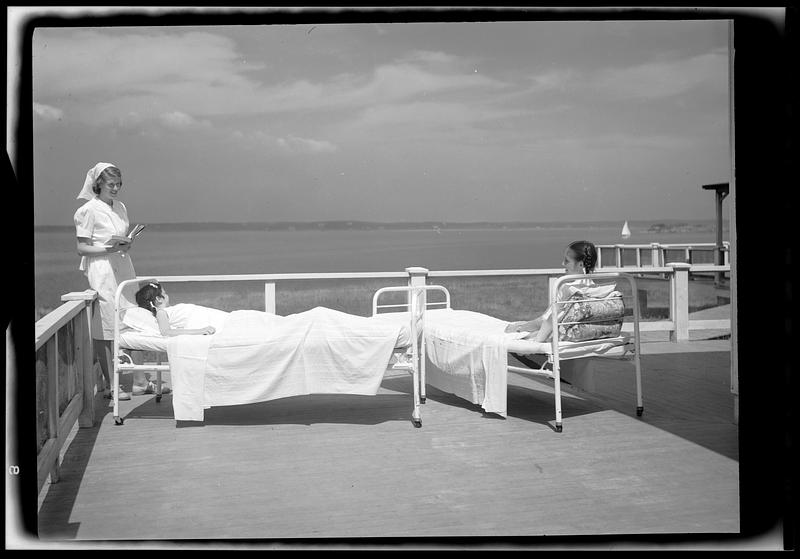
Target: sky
{"points": [[450, 121]]}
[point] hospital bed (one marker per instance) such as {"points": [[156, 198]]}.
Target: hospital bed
{"points": [[407, 351], [444, 327]]}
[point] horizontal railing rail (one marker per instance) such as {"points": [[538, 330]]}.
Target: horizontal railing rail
{"points": [[278, 277], [48, 325]]}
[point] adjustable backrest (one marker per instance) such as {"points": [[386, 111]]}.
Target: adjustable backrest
{"points": [[591, 313]]}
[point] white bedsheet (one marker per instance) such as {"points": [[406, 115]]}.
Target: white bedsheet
{"points": [[469, 357], [257, 356], [204, 316]]}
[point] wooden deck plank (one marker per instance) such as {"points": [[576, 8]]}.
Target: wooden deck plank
{"points": [[353, 466]]}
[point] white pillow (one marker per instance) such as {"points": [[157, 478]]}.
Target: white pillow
{"points": [[591, 291], [141, 320]]}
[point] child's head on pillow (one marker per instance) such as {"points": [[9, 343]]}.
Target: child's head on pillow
{"points": [[148, 295]]}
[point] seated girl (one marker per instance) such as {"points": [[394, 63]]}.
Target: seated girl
{"points": [[172, 321], [580, 257]]}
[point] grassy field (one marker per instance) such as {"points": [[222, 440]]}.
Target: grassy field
{"points": [[505, 297]]}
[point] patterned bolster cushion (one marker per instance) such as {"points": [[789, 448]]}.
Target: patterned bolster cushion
{"points": [[597, 319]]}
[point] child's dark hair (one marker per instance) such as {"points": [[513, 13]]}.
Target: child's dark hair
{"points": [[146, 296], [586, 254]]}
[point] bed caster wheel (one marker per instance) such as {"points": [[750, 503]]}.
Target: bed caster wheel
{"points": [[422, 400], [559, 428], [639, 411], [417, 423], [118, 420], [158, 398]]}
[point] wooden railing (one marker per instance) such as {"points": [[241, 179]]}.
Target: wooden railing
{"points": [[678, 323], [64, 343], [658, 254], [65, 380]]}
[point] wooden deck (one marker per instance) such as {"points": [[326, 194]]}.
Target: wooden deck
{"points": [[342, 466]]}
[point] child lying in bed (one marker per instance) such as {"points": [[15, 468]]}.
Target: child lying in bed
{"points": [[580, 257], [171, 321]]}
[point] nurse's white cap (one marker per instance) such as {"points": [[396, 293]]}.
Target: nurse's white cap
{"points": [[91, 177]]}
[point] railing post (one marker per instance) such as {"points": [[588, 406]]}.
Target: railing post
{"points": [[269, 297], [85, 345], [417, 277], [52, 400], [679, 301], [655, 255]]}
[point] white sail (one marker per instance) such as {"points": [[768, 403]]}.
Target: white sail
{"points": [[626, 232]]}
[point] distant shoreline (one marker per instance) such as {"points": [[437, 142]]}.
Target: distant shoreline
{"points": [[650, 226]]}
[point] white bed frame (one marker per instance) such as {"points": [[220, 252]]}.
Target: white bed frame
{"points": [[626, 346], [410, 358]]}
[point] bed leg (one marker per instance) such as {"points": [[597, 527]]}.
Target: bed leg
{"points": [[421, 353], [415, 415], [115, 395], [559, 427], [557, 392], [638, 371], [416, 419]]}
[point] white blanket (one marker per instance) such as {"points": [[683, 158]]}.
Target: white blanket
{"points": [[256, 356], [469, 356]]}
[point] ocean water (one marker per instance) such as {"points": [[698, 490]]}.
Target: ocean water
{"points": [[176, 252]]}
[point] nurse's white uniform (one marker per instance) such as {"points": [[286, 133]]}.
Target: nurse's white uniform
{"points": [[98, 221]]}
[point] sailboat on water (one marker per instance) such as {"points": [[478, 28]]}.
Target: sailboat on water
{"points": [[626, 232]]}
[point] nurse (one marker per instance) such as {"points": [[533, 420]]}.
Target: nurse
{"points": [[106, 262]]}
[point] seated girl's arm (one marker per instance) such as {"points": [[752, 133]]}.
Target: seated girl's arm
{"points": [[167, 330]]}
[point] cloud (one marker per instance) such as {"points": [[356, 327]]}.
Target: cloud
{"points": [[179, 120], [429, 57], [554, 79], [46, 112], [663, 79], [430, 114], [293, 144], [90, 61], [107, 75]]}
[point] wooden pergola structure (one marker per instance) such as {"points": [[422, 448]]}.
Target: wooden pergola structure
{"points": [[722, 190]]}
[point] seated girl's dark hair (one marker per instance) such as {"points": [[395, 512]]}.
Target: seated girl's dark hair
{"points": [[586, 254], [146, 296]]}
